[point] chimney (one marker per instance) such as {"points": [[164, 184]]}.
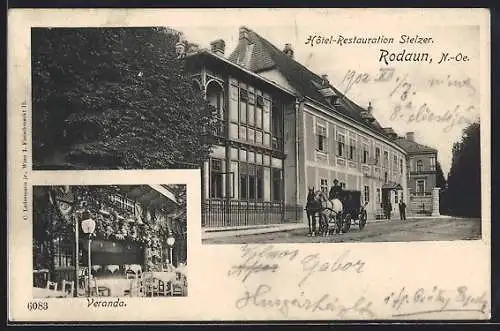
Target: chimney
{"points": [[244, 34], [218, 47], [410, 136], [370, 107], [288, 50], [325, 79]]}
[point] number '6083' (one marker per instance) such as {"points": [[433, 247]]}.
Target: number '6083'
{"points": [[37, 305]]}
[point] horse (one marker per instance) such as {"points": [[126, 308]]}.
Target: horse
{"points": [[313, 208], [330, 209]]}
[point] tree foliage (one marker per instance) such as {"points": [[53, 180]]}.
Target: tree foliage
{"points": [[110, 98], [440, 180], [462, 196]]}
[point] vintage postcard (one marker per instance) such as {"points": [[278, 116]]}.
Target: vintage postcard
{"points": [[311, 164]]}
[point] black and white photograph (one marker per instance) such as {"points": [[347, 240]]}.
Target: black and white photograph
{"points": [[109, 241], [293, 147]]}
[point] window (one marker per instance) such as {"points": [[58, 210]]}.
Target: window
{"points": [[243, 112], [216, 178], [343, 185], [367, 193], [243, 181], [321, 138], [385, 177], [276, 184], [63, 256], [352, 149], [420, 186], [378, 196], [266, 121], [260, 183], [251, 114], [252, 182], [420, 166], [432, 165], [386, 159], [377, 156], [401, 165], [396, 198], [233, 103], [395, 163], [366, 154], [340, 144], [324, 185]]}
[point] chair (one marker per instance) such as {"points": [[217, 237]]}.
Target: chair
{"points": [[149, 284], [136, 289], [51, 285], [130, 274], [177, 289], [165, 288], [97, 290], [70, 284]]}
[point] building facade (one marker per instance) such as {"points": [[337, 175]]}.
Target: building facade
{"points": [[243, 180], [422, 170], [283, 130]]}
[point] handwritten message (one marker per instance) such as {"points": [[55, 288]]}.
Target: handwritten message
{"points": [[312, 279], [425, 301], [407, 108], [266, 261]]}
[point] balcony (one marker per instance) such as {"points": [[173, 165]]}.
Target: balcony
{"points": [[220, 129], [421, 194], [277, 144]]}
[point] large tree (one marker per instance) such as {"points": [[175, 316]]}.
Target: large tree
{"points": [[463, 192], [108, 98]]}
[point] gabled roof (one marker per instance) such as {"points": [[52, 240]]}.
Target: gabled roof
{"points": [[412, 147], [265, 56]]}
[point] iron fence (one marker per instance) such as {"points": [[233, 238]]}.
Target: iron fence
{"points": [[224, 213]]}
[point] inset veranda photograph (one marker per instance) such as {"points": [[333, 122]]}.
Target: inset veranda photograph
{"points": [[109, 241]]}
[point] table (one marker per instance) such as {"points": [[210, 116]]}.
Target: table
{"points": [[112, 267], [117, 286], [46, 293], [165, 276], [134, 267]]}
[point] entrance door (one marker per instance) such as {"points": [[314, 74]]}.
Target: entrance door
{"points": [[386, 196]]}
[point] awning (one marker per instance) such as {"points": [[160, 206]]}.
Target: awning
{"points": [[391, 186]]}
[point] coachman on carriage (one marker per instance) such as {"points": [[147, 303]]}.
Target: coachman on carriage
{"points": [[336, 212]]}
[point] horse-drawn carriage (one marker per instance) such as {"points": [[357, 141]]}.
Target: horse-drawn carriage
{"points": [[336, 215]]}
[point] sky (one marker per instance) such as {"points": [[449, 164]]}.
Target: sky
{"points": [[451, 87]]}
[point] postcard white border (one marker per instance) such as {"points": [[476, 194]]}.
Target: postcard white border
{"points": [[211, 295]]}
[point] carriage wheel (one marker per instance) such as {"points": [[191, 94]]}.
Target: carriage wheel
{"points": [[346, 223], [362, 219]]}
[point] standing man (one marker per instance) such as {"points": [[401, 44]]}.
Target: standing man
{"points": [[335, 191], [402, 210]]}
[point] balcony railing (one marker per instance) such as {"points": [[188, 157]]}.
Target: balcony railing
{"points": [[222, 213], [220, 129], [277, 144], [421, 194]]}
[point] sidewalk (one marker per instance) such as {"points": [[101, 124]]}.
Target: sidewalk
{"points": [[237, 231], [418, 217]]}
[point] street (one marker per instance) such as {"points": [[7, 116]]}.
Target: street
{"points": [[425, 229]]}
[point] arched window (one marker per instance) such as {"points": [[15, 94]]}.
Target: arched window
{"points": [[215, 96]]}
